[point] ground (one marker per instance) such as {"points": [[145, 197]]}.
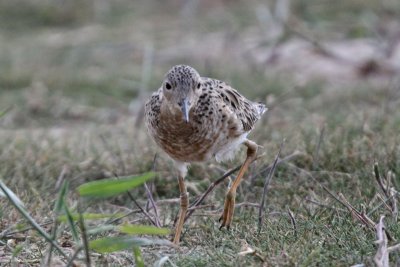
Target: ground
{"points": [[73, 80]]}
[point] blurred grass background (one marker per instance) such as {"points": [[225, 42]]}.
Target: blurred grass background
{"points": [[75, 75]]}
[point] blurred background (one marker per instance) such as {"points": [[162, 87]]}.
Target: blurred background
{"points": [[93, 56], [74, 76]]}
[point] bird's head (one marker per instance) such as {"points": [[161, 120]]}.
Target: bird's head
{"points": [[181, 88]]}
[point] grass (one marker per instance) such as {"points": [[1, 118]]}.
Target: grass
{"points": [[75, 87]]}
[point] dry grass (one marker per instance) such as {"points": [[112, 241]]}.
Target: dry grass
{"points": [[75, 88]]}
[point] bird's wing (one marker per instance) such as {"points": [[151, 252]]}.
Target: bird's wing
{"points": [[247, 111], [152, 109]]}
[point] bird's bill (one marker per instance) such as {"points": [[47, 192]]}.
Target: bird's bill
{"points": [[185, 109]]}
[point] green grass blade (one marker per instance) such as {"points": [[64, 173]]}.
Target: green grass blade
{"points": [[4, 111], [84, 237], [12, 197], [71, 223], [112, 244], [101, 229], [110, 187], [138, 256], [6, 192], [142, 229], [58, 206], [17, 251], [61, 197]]}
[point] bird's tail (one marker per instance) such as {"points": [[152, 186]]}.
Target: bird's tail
{"points": [[261, 108]]}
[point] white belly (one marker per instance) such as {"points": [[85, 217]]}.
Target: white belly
{"points": [[227, 150]]}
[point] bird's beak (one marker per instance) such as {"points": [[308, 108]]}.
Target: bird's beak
{"points": [[185, 109]]}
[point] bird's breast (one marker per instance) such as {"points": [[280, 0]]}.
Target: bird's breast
{"points": [[207, 134], [185, 141]]}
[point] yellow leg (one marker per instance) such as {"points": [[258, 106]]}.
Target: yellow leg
{"points": [[229, 204], [183, 209]]}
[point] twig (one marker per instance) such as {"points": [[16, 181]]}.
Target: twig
{"points": [[393, 194], [141, 209], [379, 180], [150, 196], [389, 191], [381, 258], [238, 205], [168, 201], [6, 235], [209, 189], [247, 204], [268, 168], [380, 205], [394, 248], [337, 173], [137, 205], [247, 250], [343, 201], [216, 212], [200, 199], [387, 205], [293, 220], [201, 207], [324, 205], [266, 184], [319, 183], [61, 177], [227, 174], [123, 216], [362, 217]]}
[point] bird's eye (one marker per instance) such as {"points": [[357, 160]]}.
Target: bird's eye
{"points": [[198, 85], [168, 86]]}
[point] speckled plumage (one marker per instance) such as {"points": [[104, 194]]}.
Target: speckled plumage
{"points": [[219, 120], [194, 119]]}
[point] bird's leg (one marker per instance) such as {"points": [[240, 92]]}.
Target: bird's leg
{"points": [[229, 204], [183, 208]]}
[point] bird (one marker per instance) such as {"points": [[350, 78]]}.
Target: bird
{"points": [[195, 119]]}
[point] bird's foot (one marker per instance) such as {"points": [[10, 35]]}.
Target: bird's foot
{"points": [[227, 214], [182, 215], [177, 236]]}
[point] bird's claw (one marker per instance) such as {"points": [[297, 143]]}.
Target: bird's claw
{"points": [[227, 214]]}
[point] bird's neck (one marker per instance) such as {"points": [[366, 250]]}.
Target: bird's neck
{"points": [[171, 112]]}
